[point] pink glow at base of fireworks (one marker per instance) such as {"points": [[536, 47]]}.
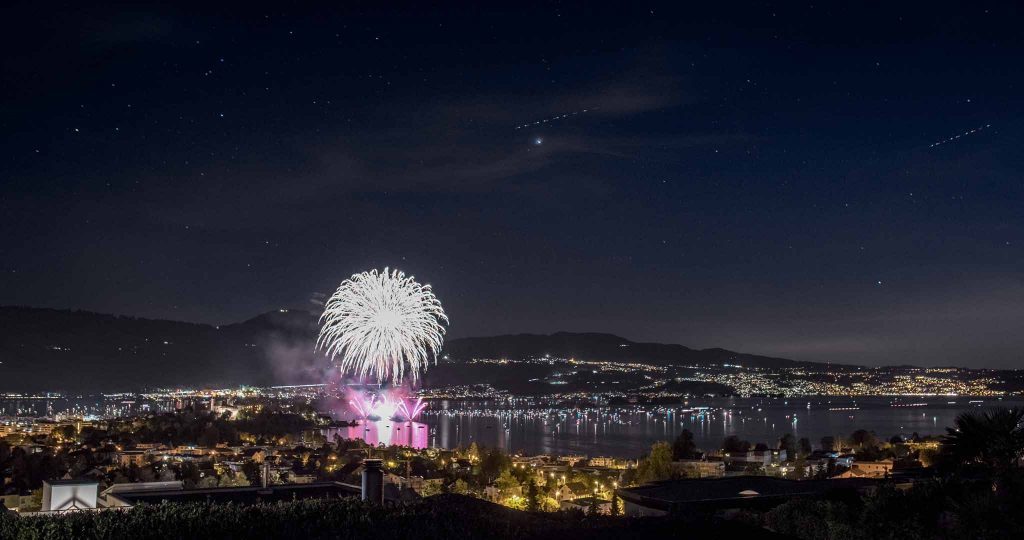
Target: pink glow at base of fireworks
{"points": [[385, 416], [389, 404], [388, 432]]}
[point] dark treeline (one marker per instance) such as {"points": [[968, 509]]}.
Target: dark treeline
{"points": [[975, 491], [442, 517]]}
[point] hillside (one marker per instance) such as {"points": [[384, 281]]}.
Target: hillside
{"points": [[591, 346], [80, 351], [47, 349]]}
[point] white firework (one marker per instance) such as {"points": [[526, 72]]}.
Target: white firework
{"points": [[382, 325]]}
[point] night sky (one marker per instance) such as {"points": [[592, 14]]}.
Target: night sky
{"points": [[760, 178]]}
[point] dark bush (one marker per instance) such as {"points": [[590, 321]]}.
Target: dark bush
{"points": [[442, 517]]}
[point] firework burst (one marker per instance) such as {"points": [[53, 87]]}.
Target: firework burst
{"points": [[411, 413], [382, 325]]}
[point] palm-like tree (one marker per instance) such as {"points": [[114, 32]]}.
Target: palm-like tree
{"points": [[994, 437]]}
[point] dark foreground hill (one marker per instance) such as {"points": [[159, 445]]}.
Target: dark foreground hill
{"points": [[448, 517], [80, 351]]}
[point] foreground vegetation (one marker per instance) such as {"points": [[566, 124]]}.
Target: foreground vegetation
{"points": [[976, 486], [442, 517], [953, 508], [976, 493]]}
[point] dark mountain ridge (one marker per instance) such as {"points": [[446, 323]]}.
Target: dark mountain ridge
{"points": [[82, 351], [608, 347]]}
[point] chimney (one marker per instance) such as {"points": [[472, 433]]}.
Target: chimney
{"points": [[373, 481]]}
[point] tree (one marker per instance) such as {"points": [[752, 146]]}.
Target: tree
{"points": [[615, 510], [928, 456], [733, 443], [532, 496], [190, 474], [657, 465], [799, 468], [628, 477], [493, 463], [252, 471], [209, 437], [593, 510], [549, 486], [430, 488], [236, 480], [788, 443], [754, 469], [473, 454], [146, 474], [35, 503], [507, 483], [167, 475], [869, 453], [994, 438], [66, 433], [805, 446], [684, 447], [863, 439], [549, 504], [828, 443], [460, 487], [208, 482]]}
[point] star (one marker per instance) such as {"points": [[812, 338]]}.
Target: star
{"points": [[538, 141]]}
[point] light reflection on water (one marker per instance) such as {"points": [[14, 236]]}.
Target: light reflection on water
{"points": [[386, 432], [628, 432]]}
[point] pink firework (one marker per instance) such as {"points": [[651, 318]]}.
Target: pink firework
{"points": [[374, 406], [364, 405], [414, 412]]}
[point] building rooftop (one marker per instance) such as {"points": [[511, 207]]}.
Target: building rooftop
{"points": [[668, 494], [133, 487], [71, 482], [242, 495], [585, 501]]}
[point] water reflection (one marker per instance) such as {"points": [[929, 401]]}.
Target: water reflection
{"points": [[386, 432], [628, 432]]}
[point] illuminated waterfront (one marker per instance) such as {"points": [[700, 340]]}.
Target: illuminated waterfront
{"points": [[549, 426], [628, 432]]}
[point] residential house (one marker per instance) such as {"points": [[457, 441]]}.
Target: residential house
{"points": [[698, 468], [127, 458], [564, 493], [868, 469], [604, 506]]}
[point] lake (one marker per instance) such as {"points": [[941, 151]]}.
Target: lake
{"points": [[628, 432]]}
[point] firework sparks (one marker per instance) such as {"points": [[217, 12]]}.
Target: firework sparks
{"points": [[382, 325], [376, 407], [365, 405], [386, 405], [411, 414]]}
